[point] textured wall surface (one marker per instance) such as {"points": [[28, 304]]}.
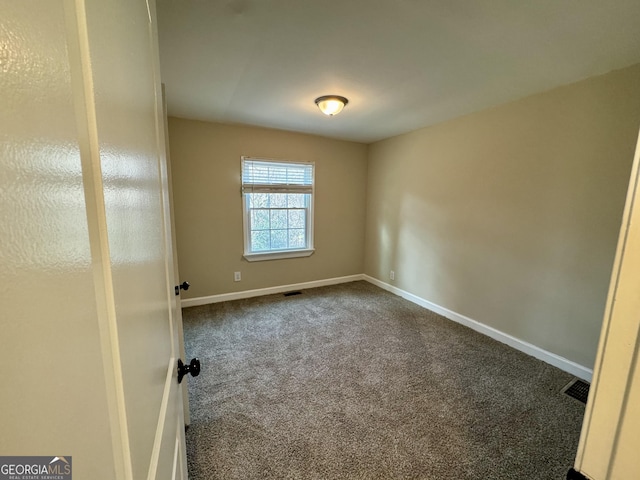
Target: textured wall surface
{"points": [[86, 342], [53, 399]]}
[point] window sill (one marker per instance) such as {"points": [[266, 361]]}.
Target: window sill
{"points": [[259, 257]]}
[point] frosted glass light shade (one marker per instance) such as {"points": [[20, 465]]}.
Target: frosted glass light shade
{"points": [[331, 104]]}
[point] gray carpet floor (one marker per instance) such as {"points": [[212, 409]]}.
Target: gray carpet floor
{"points": [[352, 382]]}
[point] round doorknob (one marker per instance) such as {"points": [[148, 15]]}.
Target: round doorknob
{"points": [[193, 368]]}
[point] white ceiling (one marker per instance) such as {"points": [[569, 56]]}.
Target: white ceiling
{"points": [[403, 64]]}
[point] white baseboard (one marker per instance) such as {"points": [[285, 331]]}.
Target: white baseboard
{"points": [[528, 348], [537, 352], [193, 302]]}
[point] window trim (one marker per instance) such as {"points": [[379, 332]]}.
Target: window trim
{"points": [[277, 254]]}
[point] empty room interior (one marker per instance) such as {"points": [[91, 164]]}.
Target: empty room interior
{"points": [[479, 170], [390, 239]]}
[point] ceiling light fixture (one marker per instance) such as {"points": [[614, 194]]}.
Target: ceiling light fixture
{"points": [[331, 104]]}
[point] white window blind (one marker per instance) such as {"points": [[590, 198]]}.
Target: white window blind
{"points": [[260, 176]]}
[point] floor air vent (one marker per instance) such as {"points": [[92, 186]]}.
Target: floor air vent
{"points": [[289, 294], [578, 389]]}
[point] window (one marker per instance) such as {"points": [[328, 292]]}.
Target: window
{"points": [[277, 200]]}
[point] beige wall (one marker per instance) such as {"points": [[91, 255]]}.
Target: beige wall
{"points": [[510, 216], [205, 160]]}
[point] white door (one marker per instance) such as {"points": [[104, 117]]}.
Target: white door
{"points": [[90, 321], [129, 144], [610, 441]]}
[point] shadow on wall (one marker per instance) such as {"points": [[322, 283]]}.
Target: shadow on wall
{"points": [[508, 242]]}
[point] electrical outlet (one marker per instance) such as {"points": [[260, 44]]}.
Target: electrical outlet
{"points": [[392, 275], [237, 276]]}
